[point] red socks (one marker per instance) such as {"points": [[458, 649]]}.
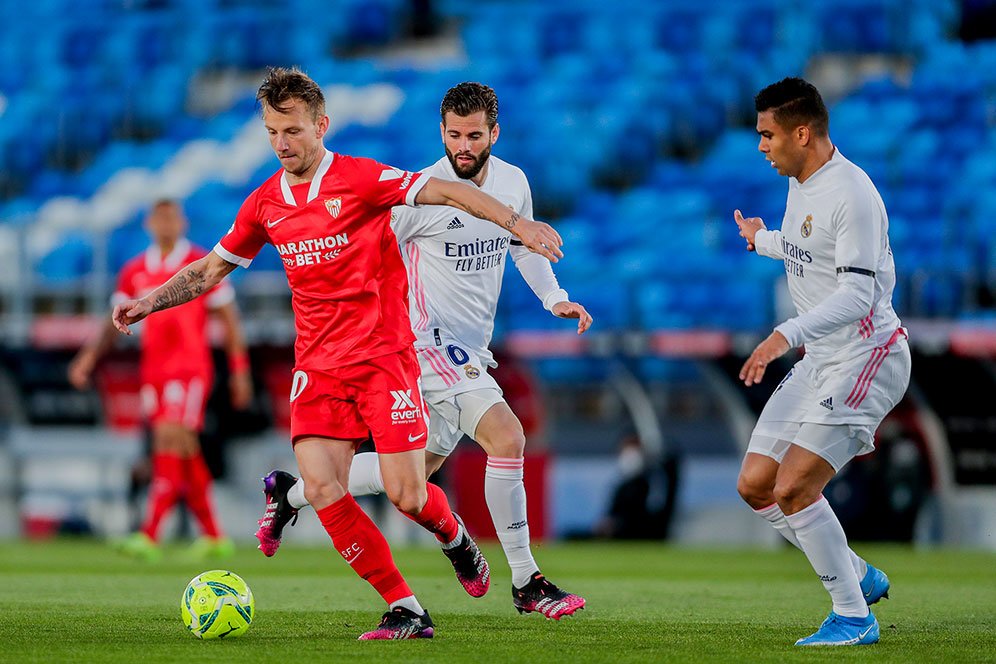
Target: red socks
{"points": [[199, 482], [364, 548], [165, 490], [436, 516]]}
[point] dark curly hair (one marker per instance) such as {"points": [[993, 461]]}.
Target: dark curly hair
{"points": [[469, 98]]}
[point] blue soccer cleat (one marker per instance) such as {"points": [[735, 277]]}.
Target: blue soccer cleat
{"points": [[844, 631], [875, 585]]}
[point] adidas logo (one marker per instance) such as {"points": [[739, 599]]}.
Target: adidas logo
{"points": [[456, 223], [827, 403]]}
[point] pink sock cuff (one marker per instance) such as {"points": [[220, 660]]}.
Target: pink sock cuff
{"points": [[772, 514], [504, 468], [505, 463]]}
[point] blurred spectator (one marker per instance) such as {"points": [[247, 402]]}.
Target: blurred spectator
{"points": [[642, 504]]}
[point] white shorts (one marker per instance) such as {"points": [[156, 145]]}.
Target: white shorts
{"points": [[458, 389], [848, 400]]}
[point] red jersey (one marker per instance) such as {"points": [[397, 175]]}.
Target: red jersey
{"points": [[348, 282], [174, 342]]}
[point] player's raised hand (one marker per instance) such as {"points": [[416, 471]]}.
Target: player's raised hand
{"points": [[128, 313], [748, 227], [766, 352], [573, 310], [539, 238]]}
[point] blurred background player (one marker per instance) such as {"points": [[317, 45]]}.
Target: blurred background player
{"points": [[177, 373], [455, 266], [356, 375], [835, 245]]}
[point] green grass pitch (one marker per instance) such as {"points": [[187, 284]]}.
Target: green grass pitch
{"points": [[78, 601]]}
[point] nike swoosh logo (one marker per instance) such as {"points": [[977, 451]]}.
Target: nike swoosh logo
{"points": [[271, 224], [412, 439], [865, 633], [350, 561]]}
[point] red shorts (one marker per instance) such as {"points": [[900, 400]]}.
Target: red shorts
{"points": [[380, 397], [177, 401]]}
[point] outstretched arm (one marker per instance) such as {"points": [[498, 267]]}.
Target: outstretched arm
{"points": [[535, 235], [538, 273], [190, 282]]}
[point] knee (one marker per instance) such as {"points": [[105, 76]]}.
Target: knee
{"points": [[511, 445], [409, 499], [792, 494], [323, 493], [755, 493]]}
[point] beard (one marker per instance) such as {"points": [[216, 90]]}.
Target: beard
{"points": [[471, 171]]}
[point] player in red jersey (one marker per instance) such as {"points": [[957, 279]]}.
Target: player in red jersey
{"points": [[328, 215], [176, 372]]}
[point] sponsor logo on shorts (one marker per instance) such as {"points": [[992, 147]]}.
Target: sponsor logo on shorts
{"points": [[827, 403], [472, 371], [404, 410]]}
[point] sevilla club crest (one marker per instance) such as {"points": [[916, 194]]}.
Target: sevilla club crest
{"points": [[334, 206]]}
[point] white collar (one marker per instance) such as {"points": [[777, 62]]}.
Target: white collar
{"points": [[155, 261], [316, 182]]}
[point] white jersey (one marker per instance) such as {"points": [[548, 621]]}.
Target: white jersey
{"points": [[455, 262], [835, 232]]}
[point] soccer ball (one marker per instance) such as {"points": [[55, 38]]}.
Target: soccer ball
{"points": [[216, 605]]}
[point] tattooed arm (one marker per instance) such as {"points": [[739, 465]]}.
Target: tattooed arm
{"points": [[535, 235], [192, 280]]}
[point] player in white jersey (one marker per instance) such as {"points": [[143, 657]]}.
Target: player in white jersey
{"points": [[835, 245], [455, 266]]}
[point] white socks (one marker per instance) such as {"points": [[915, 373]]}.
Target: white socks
{"points": [[364, 480], [773, 515], [409, 603], [822, 539], [506, 498], [295, 495], [364, 475]]}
